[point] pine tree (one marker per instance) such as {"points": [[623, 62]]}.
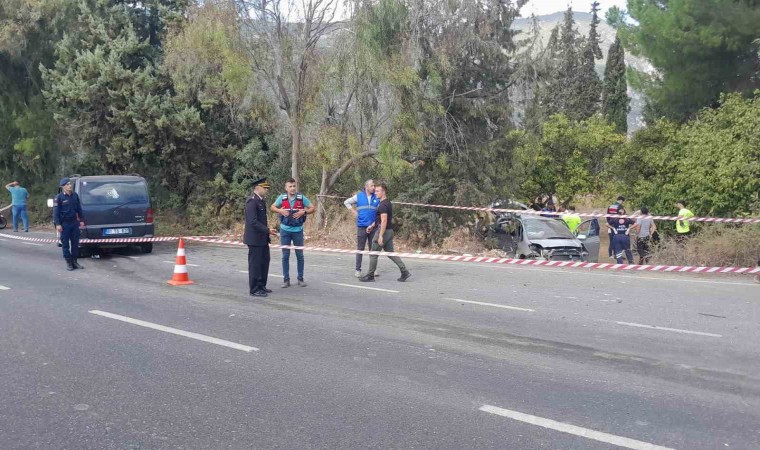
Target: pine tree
{"points": [[700, 48], [615, 101]]}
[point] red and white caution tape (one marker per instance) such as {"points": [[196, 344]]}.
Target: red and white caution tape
{"points": [[459, 258], [509, 261], [741, 220], [133, 240]]}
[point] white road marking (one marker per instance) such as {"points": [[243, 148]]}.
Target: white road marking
{"points": [[31, 243], [271, 274], [363, 287], [675, 330], [495, 305], [572, 429], [4, 288], [187, 264], [191, 335]]}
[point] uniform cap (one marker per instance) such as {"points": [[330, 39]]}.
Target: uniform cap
{"points": [[64, 181], [262, 182]]}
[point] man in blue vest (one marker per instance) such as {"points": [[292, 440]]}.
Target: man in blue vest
{"points": [[292, 206], [365, 212]]}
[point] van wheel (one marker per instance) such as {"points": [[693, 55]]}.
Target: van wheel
{"points": [[147, 248]]}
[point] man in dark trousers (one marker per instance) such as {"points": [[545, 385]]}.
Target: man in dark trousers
{"points": [[383, 239], [68, 217], [621, 240], [614, 208], [257, 238]]}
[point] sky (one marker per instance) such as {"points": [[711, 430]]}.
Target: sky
{"points": [[540, 7]]}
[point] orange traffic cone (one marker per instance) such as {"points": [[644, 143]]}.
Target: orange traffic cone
{"points": [[180, 267]]}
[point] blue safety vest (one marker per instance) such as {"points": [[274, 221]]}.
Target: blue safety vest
{"points": [[366, 208]]}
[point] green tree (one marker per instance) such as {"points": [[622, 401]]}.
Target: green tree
{"points": [[29, 146], [115, 106], [211, 72], [593, 33], [700, 49], [615, 100], [573, 88], [566, 160], [712, 161]]}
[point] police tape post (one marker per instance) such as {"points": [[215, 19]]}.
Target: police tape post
{"points": [[739, 220], [426, 256]]}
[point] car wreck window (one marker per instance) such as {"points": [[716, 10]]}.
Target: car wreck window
{"points": [[547, 229]]}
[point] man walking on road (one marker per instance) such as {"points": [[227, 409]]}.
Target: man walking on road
{"points": [[366, 212], [292, 206], [383, 239], [257, 237], [19, 198], [68, 217]]}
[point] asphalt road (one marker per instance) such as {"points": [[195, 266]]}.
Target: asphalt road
{"points": [[462, 356]]}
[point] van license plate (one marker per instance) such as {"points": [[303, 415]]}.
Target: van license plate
{"points": [[114, 231]]}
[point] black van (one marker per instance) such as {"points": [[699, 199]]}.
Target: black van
{"points": [[114, 207]]}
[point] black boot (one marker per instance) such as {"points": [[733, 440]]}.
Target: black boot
{"points": [[76, 264], [69, 265], [405, 276]]}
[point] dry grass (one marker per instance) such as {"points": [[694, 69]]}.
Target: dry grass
{"points": [[714, 245]]}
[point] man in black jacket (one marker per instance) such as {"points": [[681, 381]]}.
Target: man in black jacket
{"points": [[257, 238]]}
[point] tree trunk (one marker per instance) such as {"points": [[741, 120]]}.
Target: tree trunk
{"points": [[321, 211], [295, 149]]}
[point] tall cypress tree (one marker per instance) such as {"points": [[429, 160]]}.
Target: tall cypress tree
{"points": [[593, 33], [574, 88], [615, 101]]}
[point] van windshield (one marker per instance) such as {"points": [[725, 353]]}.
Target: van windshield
{"points": [[546, 229], [113, 192]]}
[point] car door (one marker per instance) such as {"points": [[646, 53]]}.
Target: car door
{"points": [[509, 227], [588, 233]]}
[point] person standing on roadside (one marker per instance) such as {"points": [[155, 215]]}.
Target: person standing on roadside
{"points": [[68, 217], [683, 229], [19, 198], [383, 239], [621, 237], [644, 229], [292, 206], [614, 208], [257, 238], [571, 218], [366, 203]]}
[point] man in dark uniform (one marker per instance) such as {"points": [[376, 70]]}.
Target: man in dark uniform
{"points": [[257, 238], [614, 208], [68, 217], [621, 240]]}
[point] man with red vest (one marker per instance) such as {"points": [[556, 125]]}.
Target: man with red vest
{"points": [[366, 203], [292, 206]]}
